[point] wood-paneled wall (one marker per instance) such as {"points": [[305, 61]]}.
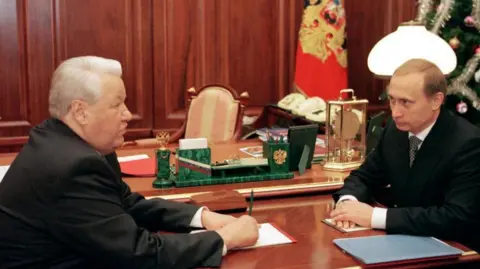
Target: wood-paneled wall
{"points": [[167, 46]]}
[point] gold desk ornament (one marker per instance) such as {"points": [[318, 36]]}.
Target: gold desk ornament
{"points": [[345, 136], [162, 155]]}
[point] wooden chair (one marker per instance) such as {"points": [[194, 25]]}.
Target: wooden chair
{"points": [[214, 112]]}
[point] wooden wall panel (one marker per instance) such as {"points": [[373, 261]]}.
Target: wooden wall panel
{"points": [[167, 46], [247, 44], [173, 37], [367, 22], [19, 104], [116, 29]]}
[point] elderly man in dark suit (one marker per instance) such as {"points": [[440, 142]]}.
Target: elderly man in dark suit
{"points": [[428, 156], [63, 203]]}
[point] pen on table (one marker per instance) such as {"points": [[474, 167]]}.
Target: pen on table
{"points": [[251, 203]]}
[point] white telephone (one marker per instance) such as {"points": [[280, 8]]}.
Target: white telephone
{"points": [[311, 105], [291, 101]]}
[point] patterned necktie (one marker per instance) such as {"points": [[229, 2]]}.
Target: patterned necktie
{"points": [[414, 143]]}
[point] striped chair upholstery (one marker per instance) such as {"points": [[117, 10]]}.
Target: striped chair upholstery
{"points": [[214, 112]]}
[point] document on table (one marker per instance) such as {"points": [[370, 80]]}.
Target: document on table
{"points": [[329, 222], [269, 235], [3, 171]]}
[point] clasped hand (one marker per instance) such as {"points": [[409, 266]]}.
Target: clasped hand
{"points": [[348, 213], [235, 232]]}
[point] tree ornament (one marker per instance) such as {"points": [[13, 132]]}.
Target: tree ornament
{"points": [[469, 21], [454, 43], [462, 107], [477, 50], [477, 76]]}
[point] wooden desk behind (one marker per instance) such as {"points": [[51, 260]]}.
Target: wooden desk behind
{"points": [[301, 218], [313, 180]]}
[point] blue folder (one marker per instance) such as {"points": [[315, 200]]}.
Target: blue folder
{"points": [[383, 249]]}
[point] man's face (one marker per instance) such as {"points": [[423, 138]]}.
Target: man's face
{"points": [[106, 121], [412, 109]]}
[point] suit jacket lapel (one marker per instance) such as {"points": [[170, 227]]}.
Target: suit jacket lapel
{"points": [[402, 161], [429, 155]]}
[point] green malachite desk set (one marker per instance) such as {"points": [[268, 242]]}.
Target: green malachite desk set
{"points": [[195, 168]]}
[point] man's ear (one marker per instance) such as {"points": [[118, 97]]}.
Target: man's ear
{"points": [[79, 111], [437, 100]]}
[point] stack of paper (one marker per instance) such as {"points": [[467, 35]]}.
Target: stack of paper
{"points": [[269, 235]]}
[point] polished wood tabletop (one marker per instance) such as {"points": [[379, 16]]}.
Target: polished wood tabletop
{"points": [[314, 180], [301, 218]]}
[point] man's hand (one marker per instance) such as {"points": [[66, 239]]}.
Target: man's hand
{"points": [[349, 212], [215, 221], [243, 232]]}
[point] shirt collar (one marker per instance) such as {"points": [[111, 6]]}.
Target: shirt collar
{"points": [[423, 134]]}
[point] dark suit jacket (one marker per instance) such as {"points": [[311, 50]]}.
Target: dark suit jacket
{"points": [[63, 205], [440, 194]]}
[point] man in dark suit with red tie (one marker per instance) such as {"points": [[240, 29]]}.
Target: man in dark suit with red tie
{"points": [[427, 157], [63, 203]]}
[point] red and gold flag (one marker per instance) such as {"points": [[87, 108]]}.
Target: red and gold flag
{"points": [[321, 60]]}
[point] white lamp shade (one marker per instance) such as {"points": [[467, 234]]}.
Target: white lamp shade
{"points": [[409, 42]]}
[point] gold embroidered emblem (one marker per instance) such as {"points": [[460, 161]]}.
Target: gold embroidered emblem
{"points": [[279, 156], [323, 30]]}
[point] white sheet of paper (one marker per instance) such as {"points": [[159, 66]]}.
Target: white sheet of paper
{"points": [[268, 236], [345, 230], [193, 143], [132, 158], [3, 171]]}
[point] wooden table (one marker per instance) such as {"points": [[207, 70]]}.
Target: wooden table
{"points": [[301, 218]]}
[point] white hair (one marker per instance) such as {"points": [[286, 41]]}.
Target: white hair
{"points": [[79, 78]]}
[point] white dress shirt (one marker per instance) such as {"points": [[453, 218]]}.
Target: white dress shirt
{"points": [[197, 223], [379, 215]]}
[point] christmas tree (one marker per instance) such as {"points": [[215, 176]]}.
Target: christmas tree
{"points": [[458, 22]]}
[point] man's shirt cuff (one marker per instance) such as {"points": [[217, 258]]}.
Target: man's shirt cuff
{"points": [[197, 219], [197, 223], [346, 197], [379, 218]]}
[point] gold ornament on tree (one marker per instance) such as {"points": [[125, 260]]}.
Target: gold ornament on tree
{"points": [[454, 43]]}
